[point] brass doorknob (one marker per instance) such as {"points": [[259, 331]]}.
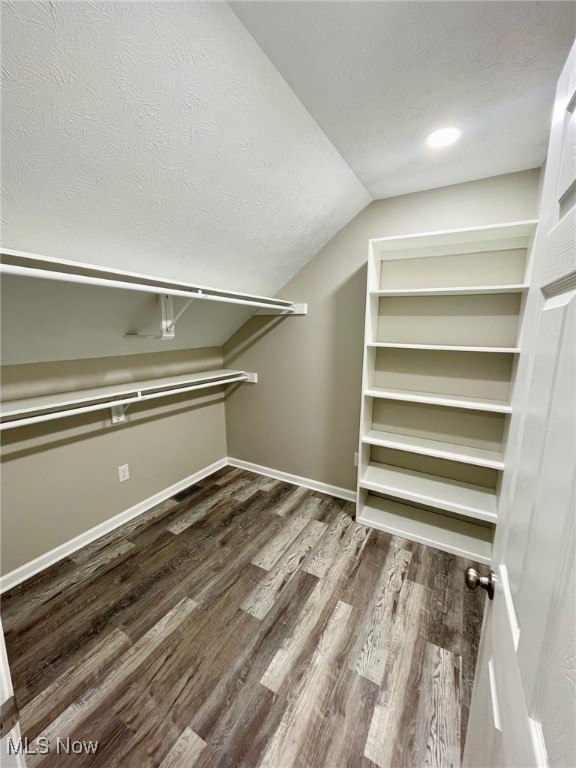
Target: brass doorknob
{"points": [[474, 579]]}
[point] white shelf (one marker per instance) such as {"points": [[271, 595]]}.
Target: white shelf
{"points": [[480, 457], [459, 537], [445, 347], [489, 233], [454, 496], [23, 264], [454, 291], [48, 407], [433, 398]]}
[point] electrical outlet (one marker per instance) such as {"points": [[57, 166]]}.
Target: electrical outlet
{"points": [[355, 459], [124, 473]]}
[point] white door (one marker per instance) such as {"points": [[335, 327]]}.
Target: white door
{"points": [[523, 710], [10, 744]]}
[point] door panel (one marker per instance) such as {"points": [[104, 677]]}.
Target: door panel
{"points": [[544, 567], [509, 693], [486, 743]]}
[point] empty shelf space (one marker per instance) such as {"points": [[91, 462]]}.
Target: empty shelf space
{"points": [[446, 347], [453, 291], [433, 398], [441, 450], [480, 321], [458, 537], [451, 495], [474, 377]]}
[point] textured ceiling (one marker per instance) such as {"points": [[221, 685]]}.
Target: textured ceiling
{"points": [[157, 137], [165, 138], [379, 76]]}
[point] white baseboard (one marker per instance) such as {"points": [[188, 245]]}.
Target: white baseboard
{"points": [[26, 571], [18, 575], [314, 485]]}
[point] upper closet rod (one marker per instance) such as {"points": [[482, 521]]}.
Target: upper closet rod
{"points": [[197, 293]]}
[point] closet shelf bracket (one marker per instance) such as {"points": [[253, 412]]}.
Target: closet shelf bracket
{"points": [[118, 413], [168, 318]]}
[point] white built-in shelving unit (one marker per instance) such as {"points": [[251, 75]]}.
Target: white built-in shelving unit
{"points": [[443, 332]]}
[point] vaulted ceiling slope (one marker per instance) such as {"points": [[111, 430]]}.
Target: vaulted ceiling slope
{"points": [[157, 137], [379, 76], [166, 138]]}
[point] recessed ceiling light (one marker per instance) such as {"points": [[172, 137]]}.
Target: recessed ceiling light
{"points": [[443, 137]]}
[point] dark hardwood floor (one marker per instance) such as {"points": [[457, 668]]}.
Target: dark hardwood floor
{"points": [[246, 622]]}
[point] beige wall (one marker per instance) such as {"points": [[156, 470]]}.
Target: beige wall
{"points": [[303, 415], [60, 478]]}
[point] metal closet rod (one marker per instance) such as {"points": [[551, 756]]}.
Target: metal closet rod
{"points": [[198, 293]]}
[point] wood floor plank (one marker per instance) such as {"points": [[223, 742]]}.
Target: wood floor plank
{"points": [[309, 509], [194, 512], [118, 676], [371, 651], [437, 734], [185, 751], [75, 579], [192, 669], [313, 615], [48, 647], [125, 531], [323, 555], [261, 483], [270, 554], [238, 715], [291, 503], [225, 703], [62, 692], [107, 736], [384, 744], [289, 742], [360, 587], [307, 626], [206, 566], [346, 719], [261, 600], [231, 475], [247, 622], [424, 564], [116, 577]]}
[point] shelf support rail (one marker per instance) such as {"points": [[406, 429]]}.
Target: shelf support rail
{"points": [[166, 295], [118, 408], [207, 294]]}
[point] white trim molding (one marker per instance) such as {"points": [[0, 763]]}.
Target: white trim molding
{"points": [[26, 571], [306, 482]]}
